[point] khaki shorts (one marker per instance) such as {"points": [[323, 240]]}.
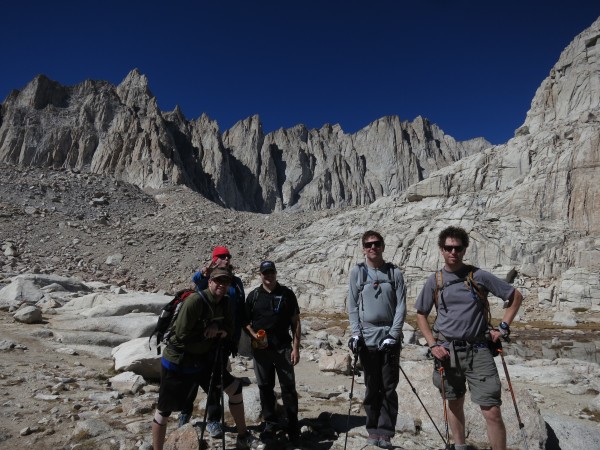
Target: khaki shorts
{"points": [[476, 367]]}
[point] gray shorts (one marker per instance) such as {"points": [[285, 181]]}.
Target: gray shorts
{"points": [[476, 367]]}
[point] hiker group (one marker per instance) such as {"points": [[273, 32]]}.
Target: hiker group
{"points": [[205, 329]]}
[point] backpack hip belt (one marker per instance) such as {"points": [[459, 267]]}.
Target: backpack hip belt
{"points": [[461, 345], [377, 324]]}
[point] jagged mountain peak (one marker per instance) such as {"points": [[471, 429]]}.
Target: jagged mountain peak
{"points": [[134, 90], [530, 206], [570, 91], [121, 131], [41, 92]]}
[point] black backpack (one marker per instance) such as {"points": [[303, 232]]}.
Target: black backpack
{"points": [[166, 319]]}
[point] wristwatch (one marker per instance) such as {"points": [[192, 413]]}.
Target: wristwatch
{"points": [[504, 328]]}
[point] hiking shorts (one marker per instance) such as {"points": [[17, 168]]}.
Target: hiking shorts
{"points": [[178, 389], [475, 367]]}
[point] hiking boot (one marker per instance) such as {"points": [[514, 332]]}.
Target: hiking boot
{"points": [[248, 441], [373, 439], [269, 431], [385, 442], [215, 430], [183, 419]]}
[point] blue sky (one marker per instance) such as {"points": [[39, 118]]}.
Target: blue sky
{"points": [[472, 67]]}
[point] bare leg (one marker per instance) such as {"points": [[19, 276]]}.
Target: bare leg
{"points": [[456, 419], [236, 407], [239, 417], [495, 427], [158, 435]]}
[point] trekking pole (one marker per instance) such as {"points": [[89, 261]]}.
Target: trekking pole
{"points": [[442, 376], [220, 352], [512, 393], [351, 393], [420, 401], [210, 389]]}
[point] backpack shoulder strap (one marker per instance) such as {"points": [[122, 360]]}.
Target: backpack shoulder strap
{"points": [[363, 274], [391, 267], [206, 301], [439, 284], [472, 284], [252, 299], [390, 274], [478, 293]]}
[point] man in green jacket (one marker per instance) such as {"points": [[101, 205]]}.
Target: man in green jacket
{"points": [[188, 360]]}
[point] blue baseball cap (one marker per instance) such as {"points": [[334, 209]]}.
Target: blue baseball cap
{"points": [[267, 266]]}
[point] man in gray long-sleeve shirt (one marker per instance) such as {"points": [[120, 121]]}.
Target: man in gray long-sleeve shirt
{"points": [[377, 308]]}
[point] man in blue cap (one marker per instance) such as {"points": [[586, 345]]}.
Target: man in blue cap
{"points": [[274, 308]]}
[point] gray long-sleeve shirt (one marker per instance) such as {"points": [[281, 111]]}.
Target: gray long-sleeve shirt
{"points": [[380, 308]]}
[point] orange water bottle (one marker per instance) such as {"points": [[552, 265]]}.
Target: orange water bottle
{"points": [[261, 339]]}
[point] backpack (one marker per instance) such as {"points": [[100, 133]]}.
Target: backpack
{"points": [[363, 274], [166, 319], [362, 281], [477, 292]]}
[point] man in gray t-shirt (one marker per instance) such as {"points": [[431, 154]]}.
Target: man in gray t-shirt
{"points": [[461, 332]]}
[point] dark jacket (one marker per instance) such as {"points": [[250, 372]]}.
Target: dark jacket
{"points": [[188, 343], [273, 312]]}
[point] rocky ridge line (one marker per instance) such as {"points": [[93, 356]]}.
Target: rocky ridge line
{"points": [[120, 131]]}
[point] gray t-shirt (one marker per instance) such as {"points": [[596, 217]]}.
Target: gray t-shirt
{"points": [[378, 310], [461, 314]]}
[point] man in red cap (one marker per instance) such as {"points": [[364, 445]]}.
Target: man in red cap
{"points": [[221, 258], [219, 254]]}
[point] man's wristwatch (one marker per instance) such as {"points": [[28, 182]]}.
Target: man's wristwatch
{"points": [[504, 328]]}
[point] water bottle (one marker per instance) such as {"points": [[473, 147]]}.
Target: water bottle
{"points": [[261, 340]]}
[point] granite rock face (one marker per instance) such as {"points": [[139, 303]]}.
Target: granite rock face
{"points": [[120, 131], [531, 206]]}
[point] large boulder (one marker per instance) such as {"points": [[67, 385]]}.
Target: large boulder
{"points": [[135, 356], [102, 304], [31, 288], [28, 314], [567, 433], [131, 325], [419, 373], [19, 292]]}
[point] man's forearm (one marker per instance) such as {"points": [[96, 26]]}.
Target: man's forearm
{"points": [[296, 331], [515, 303], [425, 329]]}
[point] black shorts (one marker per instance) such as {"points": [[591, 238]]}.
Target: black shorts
{"points": [[178, 389]]}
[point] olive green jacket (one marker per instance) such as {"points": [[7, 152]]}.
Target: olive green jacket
{"points": [[187, 344]]}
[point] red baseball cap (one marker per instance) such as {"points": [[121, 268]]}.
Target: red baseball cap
{"points": [[220, 251]]}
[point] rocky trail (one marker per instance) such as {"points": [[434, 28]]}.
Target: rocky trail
{"points": [[58, 397], [132, 246]]}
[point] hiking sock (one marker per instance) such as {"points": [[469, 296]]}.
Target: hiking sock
{"points": [[461, 447]]}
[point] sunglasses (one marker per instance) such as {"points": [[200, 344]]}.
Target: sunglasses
{"points": [[221, 281], [376, 244], [224, 256], [449, 248]]}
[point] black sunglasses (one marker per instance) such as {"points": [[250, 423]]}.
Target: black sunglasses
{"points": [[224, 256], [375, 244], [449, 248]]}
